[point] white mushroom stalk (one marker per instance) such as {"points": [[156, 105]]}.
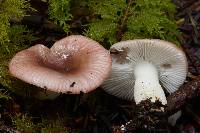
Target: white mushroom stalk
{"points": [[147, 84]]}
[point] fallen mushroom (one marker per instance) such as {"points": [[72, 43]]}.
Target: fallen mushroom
{"points": [[142, 68], [72, 65]]}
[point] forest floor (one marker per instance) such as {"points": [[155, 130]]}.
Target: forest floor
{"points": [[99, 112]]}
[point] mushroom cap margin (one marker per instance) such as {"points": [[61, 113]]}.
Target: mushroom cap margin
{"points": [[36, 65]]}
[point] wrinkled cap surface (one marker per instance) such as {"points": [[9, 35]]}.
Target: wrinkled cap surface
{"points": [[169, 60], [72, 65]]}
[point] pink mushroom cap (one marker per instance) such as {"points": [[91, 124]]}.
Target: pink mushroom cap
{"points": [[73, 64]]}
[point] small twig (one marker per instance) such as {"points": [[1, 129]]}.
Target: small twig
{"points": [[122, 24], [176, 100], [187, 4], [193, 22], [193, 114]]}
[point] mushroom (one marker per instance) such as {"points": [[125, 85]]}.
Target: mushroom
{"points": [[141, 68], [72, 65]]}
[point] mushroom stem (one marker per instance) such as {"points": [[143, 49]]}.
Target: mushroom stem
{"points": [[147, 84]]}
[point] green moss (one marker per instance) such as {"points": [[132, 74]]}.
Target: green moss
{"points": [[152, 19], [117, 20], [25, 124], [50, 126], [12, 37], [102, 30], [4, 94], [106, 15], [10, 9], [18, 36], [59, 12]]}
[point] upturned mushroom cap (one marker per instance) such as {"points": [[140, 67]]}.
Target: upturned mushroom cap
{"points": [[72, 65], [169, 60]]}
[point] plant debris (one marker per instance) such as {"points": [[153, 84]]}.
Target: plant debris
{"points": [[147, 117], [183, 95]]}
